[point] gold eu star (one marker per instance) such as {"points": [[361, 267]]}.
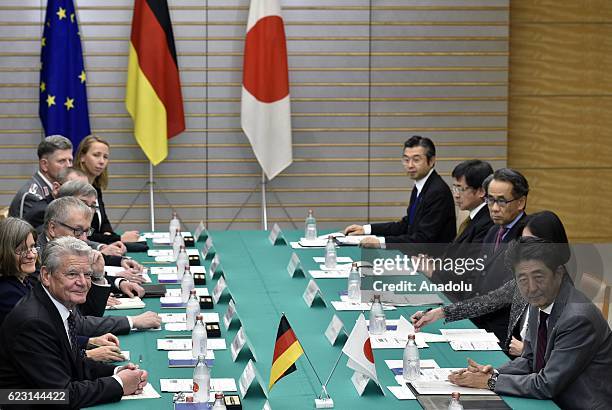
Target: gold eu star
{"points": [[69, 103], [83, 77], [43, 87], [72, 17], [61, 13], [50, 100], [43, 41]]}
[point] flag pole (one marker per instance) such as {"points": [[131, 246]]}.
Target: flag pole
{"points": [[151, 197], [264, 205]]}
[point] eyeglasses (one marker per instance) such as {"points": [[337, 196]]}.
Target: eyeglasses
{"points": [[77, 231], [457, 189], [23, 253], [93, 207], [75, 275], [501, 202]]}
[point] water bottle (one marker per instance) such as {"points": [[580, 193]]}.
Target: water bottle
{"points": [[219, 402], [330, 254], [182, 260], [193, 310], [454, 403], [187, 284], [310, 231], [378, 323], [177, 243], [175, 224], [201, 381], [412, 364], [354, 285], [199, 338]]}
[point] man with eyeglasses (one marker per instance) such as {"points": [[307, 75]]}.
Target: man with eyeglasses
{"points": [[430, 217], [38, 339]]}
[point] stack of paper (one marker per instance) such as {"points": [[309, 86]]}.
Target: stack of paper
{"points": [[471, 339], [128, 303]]}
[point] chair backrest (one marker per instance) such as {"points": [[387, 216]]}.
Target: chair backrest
{"points": [[4, 212], [597, 290]]}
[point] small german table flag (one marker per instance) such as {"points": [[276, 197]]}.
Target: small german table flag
{"points": [[287, 350]]}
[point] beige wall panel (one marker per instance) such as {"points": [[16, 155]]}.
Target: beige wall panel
{"points": [[594, 11]]}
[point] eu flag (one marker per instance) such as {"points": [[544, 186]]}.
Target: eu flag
{"points": [[63, 93]]}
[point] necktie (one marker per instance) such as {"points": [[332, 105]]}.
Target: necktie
{"points": [[463, 226], [542, 341], [499, 237], [414, 199], [78, 353]]}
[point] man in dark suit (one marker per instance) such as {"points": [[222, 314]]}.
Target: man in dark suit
{"points": [[38, 347], [430, 217], [568, 348], [506, 198], [469, 195]]}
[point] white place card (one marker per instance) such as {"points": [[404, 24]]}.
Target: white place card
{"points": [[238, 343], [276, 235], [294, 266], [165, 259], [246, 379], [167, 270], [200, 231], [185, 344], [176, 293], [208, 317], [229, 314], [218, 290], [339, 259], [311, 293], [334, 328], [214, 267], [266, 406], [360, 381], [350, 306], [329, 274], [186, 385], [209, 250], [402, 392]]}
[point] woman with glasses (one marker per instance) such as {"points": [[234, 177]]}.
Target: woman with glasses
{"points": [[92, 158], [544, 225], [18, 255]]}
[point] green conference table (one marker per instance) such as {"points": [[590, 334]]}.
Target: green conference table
{"points": [[258, 282]]}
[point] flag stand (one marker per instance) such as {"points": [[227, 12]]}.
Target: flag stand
{"points": [[264, 205], [151, 198]]}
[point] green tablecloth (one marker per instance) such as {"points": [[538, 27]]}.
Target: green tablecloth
{"points": [[258, 282]]}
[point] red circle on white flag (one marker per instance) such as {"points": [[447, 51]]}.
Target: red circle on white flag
{"points": [[367, 350]]}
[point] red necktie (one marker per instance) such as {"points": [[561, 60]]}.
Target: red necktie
{"points": [[499, 237], [542, 341]]}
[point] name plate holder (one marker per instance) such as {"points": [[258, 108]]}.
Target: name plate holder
{"points": [[229, 315], [200, 232], [209, 250], [312, 293], [215, 267], [294, 267], [335, 327], [276, 236], [238, 344], [250, 374], [219, 289]]}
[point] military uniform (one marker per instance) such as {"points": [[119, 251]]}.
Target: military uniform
{"points": [[36, 189]]}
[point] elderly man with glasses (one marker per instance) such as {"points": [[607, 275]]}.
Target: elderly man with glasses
{"points": [[42, 329]]}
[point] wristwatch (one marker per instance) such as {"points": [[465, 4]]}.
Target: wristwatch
{"points": [[492, 380]]}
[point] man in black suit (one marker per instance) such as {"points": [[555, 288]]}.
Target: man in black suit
{"points": [[430, 217], [506, 198], [469, 195], [38, 347]]}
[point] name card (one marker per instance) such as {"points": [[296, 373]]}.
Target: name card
{"points": [[200, 231], [294, 266], [214, 267], [239, 342], [249, 374], [276, 236], [209, 250], [218, 290], [229, 314], [266, 406], [311, 293], [334, 328], [360, 381]]}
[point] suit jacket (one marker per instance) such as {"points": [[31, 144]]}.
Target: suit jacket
{"points": [[495, 275], [434, 218], [35, 215], [35, 353], [466, 245], [11, 292], [578, 358], [33, 191], [103, 230]]}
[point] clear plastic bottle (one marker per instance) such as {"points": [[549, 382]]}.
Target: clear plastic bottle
{"points": [[182, 260], [331, 259], [454, 403], [411, 362], [219, 402], [354, 285], [310, 229], [177, 243], [193, 309], [187, 284], [378, 322], [201, 381], [175, 224], [199, 338]]}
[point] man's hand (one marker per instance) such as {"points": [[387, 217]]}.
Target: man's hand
{"points": [[132, 277], [479, 368], [516, 347], [107, 339], [130, 236], [119, 245], [466, 378], [369, 242], [97, 265], [110, 250], [112, 301], [133, 379], [131, 265], [105, 354], [131, 289], [420, 318], [146, 320], [354, 230]]}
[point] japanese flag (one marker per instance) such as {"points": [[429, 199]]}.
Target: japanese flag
{"points": [[359, 350]]}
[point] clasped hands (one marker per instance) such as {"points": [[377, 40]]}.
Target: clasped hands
{"points": [[475, 375]]}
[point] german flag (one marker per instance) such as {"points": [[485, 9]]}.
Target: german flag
{"points": [[286, 352], [153, 96]]}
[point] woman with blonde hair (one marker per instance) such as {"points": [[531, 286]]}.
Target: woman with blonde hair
{"points": [[92, 158]]}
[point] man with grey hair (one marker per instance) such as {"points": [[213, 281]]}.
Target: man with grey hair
{"points": [[54, 154], [38, 343]]}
